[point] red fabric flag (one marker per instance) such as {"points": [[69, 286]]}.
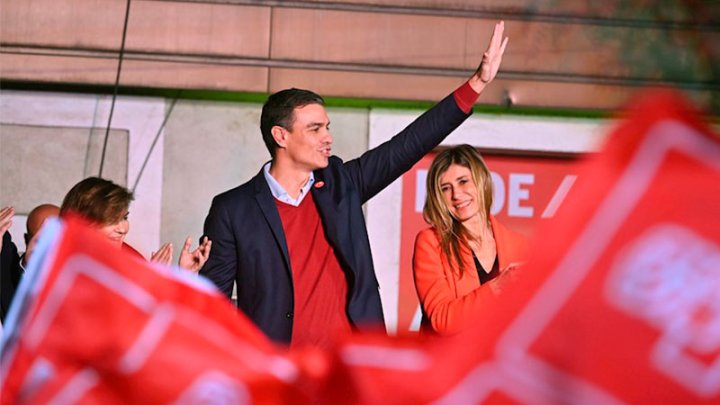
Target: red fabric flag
{"points": [[99, 325]]}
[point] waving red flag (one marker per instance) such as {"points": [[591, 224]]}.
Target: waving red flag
{"points": [[96, 324]]}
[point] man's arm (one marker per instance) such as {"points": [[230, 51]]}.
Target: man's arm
{"points": [[221, 266], [380, 166]]}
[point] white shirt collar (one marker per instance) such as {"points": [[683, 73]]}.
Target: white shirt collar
{"points": [[279, 192]]}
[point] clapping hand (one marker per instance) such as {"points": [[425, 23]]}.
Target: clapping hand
{"points": [[194, 260], [163, 255], [6, 215]]}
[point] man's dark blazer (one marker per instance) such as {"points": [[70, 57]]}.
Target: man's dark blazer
{"points": [[10, 274], [249, 245]]}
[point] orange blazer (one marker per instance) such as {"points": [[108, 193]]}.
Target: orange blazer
{"points": [[448, 300]]}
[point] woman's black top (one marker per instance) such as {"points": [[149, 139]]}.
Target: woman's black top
{"points": [[482, 274]]}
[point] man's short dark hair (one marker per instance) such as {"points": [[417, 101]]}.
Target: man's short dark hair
{"points": [[278, 110]]}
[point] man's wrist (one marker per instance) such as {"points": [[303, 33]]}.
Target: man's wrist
{"points": [[477, 84], [465, 97]]}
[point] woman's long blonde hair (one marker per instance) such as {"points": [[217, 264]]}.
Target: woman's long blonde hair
{"points": [[436, 211]]}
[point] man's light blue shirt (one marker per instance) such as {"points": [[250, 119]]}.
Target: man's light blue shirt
{"points": [[279, 192]]}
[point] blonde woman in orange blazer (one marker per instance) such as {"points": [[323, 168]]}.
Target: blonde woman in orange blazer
{"points": [[460, 262]]}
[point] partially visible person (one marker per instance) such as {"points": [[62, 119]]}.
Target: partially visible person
{"points": [[35, 220], [463, 259], [106, 205], [13, 265], [10, 271]]}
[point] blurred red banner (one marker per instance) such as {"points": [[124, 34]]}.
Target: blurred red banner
{"points": [[99, 325]]}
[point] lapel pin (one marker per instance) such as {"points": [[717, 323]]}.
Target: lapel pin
{"points": [[319, 184]]}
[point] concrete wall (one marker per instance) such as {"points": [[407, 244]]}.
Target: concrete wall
{"points": [[47, 144], [138, 117], [45, 161]]}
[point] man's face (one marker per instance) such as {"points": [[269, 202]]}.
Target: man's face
{"points": [[309, 139]]}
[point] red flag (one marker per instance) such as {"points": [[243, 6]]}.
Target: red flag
{"points": [[96, 324]]}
